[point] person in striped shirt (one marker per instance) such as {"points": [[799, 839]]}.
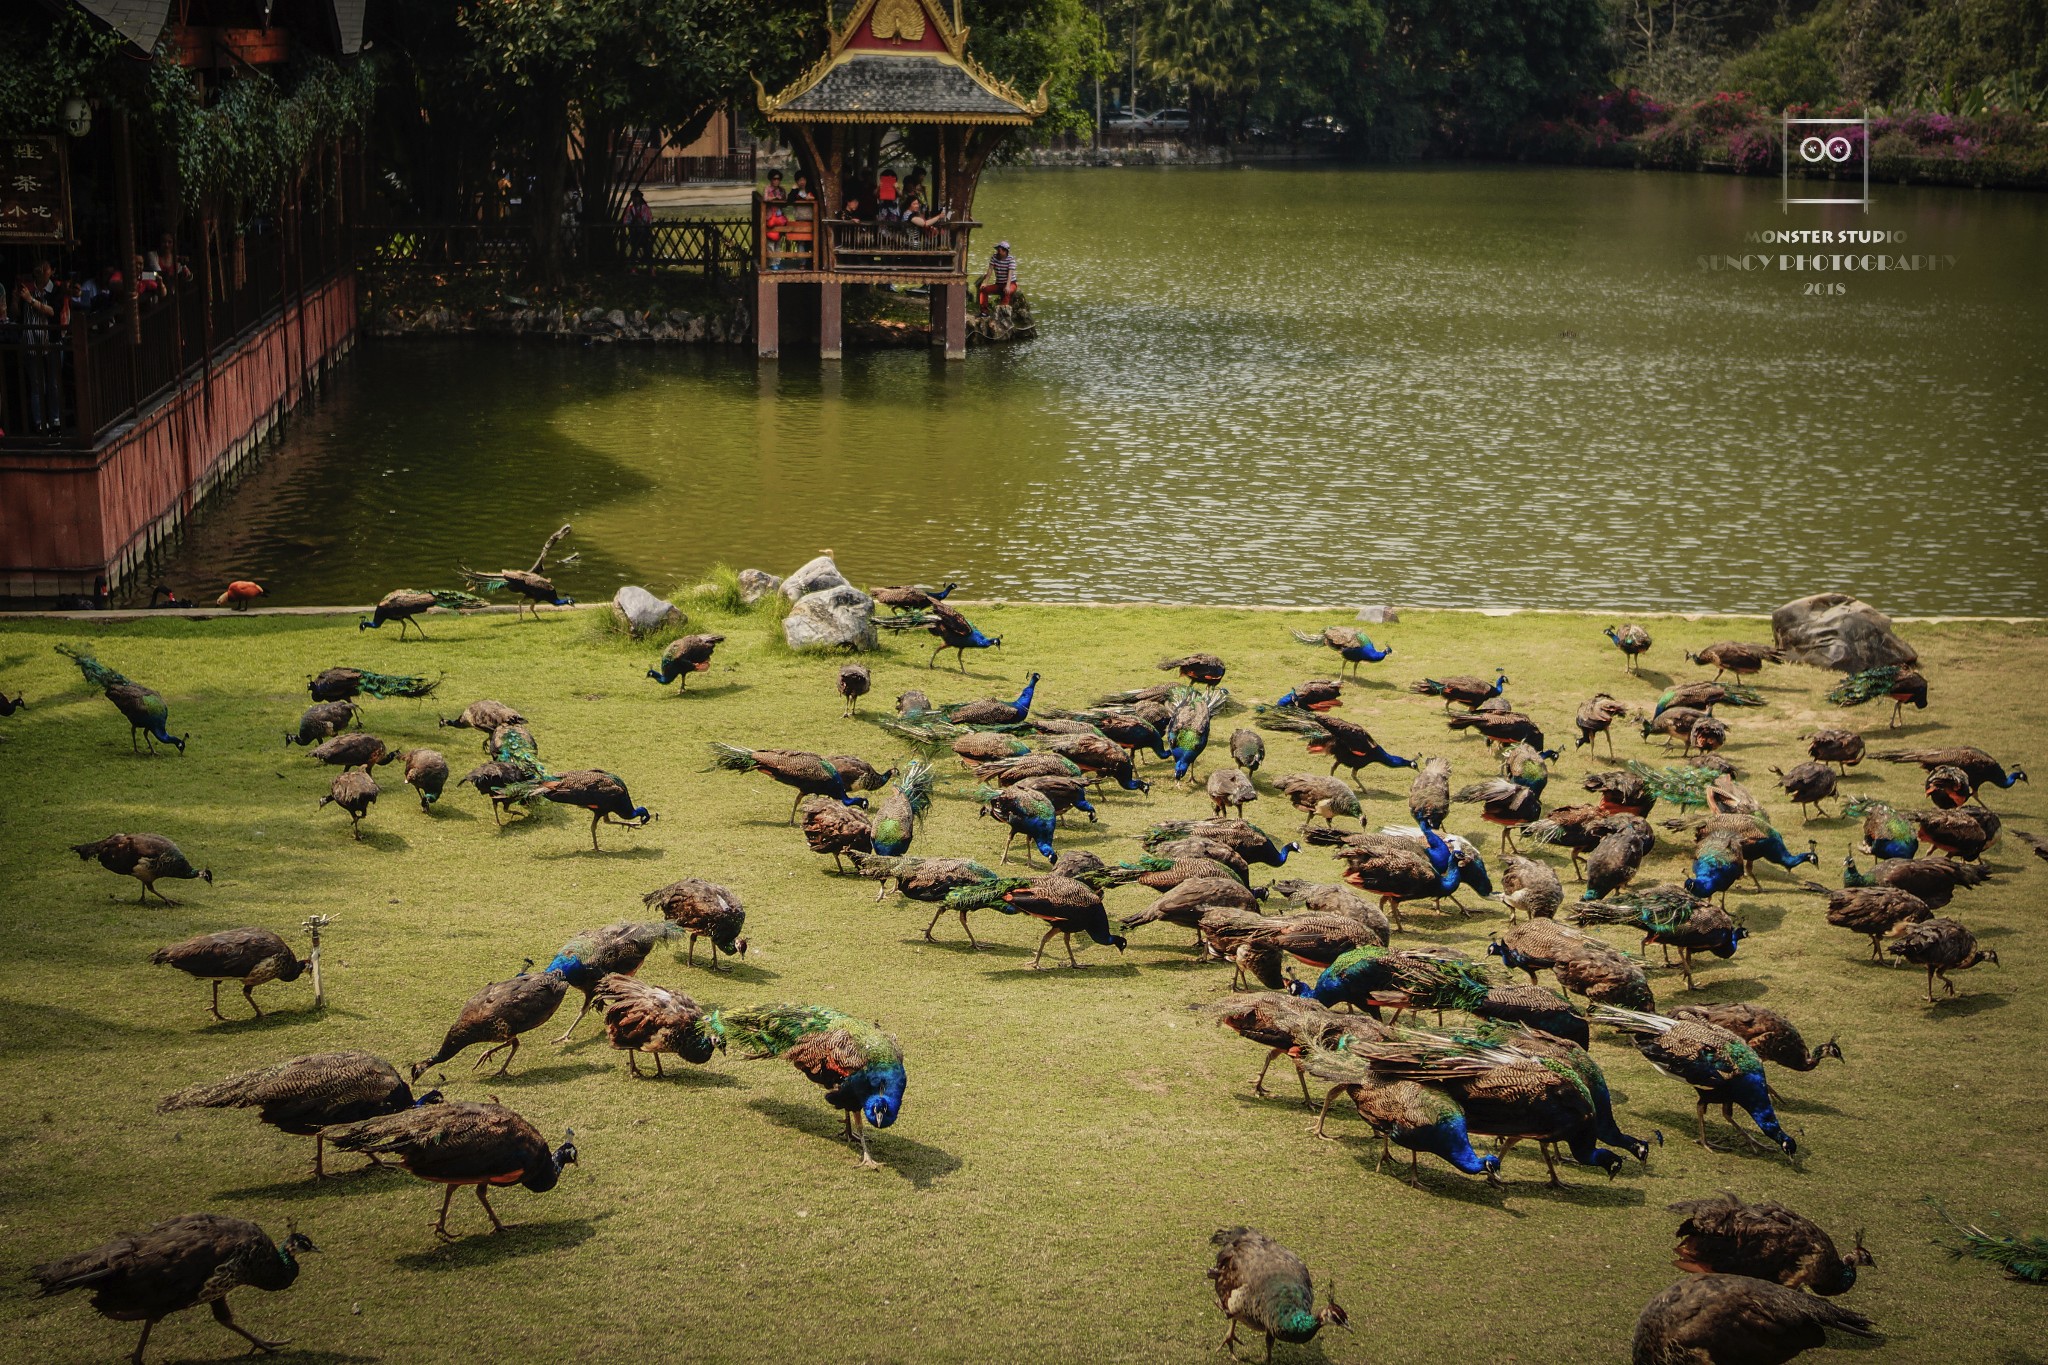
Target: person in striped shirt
{"points": [[1000, 278]]}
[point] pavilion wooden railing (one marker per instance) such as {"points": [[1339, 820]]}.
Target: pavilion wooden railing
{"points": [[692, 170], [787, 237], [711, 246]]}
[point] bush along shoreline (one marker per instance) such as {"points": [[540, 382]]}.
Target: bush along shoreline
{"points": [[1733, 132]]}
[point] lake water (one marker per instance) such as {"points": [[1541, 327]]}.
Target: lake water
{"points": [[1455, 386]]}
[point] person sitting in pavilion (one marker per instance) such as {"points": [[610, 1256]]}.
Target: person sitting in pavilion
{"points": [[1000, 278]]}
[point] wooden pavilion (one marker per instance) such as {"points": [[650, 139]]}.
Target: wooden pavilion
{"points": [[896, 66]]}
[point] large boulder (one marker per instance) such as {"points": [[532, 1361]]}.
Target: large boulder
{"points": [[816, 576], [1378, 616], [756, 584], [642, 612], [1835, 630], [841, 616]]}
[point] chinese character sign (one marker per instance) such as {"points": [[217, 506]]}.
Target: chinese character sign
{"points": [[35, 199]]}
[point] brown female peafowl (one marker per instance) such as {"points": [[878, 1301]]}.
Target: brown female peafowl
{"points": [[1808, 784], [1961, 832], [1948, 787], [1724, 1235], [1633, 641], [1463, 689], [1733, 656], [703, 910], [145, 857], [1843, 748], [406, 603], [498, 1014], [1314, 795], [1247, 749], [1738, 1320], [1933, 880], [532, 590], [1429, 795], [603, 794], [911, 596], [1501, 728], [1875, 911], [342, 684], [1065, 904], [1528, 887], [854, 683], [1205, 670], [1621, 791], [1229, 791], [838, 830], [690, 654], [1941, 946], [1899, 685], [426, 772], [1189, 900], [250, 956], [1766, 1030], [355, 793], [1266, 1287], [355, 749], [177, 1264], [459, 1143], [305, 1094], [323, 720], [485, 715], [1979, 767], [143, 708], [596, 954], [642, 1018], [1503, 802], [1596, 716]]}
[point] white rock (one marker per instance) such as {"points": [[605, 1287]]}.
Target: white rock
{"points": [[1378, 616], [756, 584], [841, 616], [642, 611], [819, 574]]}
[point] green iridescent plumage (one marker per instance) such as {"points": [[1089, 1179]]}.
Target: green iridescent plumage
{"points": [[2021, 1258]]}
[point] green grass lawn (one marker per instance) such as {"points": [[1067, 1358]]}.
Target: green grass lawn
{"points": [[1069, 1139]]}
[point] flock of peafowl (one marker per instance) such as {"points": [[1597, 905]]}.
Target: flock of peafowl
{"points": [[1447, 1057]]}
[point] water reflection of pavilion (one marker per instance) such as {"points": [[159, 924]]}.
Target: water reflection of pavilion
{"points": [[901, 67]]}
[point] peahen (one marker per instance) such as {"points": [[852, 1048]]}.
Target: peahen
{"points": [[302, 1095], [807, 774], [1247, 749], [703, 910], [642, 1018], [532, 590], [1501, 728], [1963, 832], [1810, 783], [1766, 1030], [1933, 880], [1596, 716], [1718, 1065], [1266, 1287], [603, 794], [354, 749], [1318, 796], [1705, 696], [250, 956], [145, 857], [1875, 911], [1529, 887], [406, 603], [457, 1144], [911, 596], [1843, 748], [1205, 670], [1280, 1023], [1739, 1320], [343, 684], [1940, 945], [323, 720], [1981, 768], [615, 950], [1505, 802], [690, 654], [860, 1066], [177, 1264], [1633, 641], [1733, 656], [1066, 903], [854, 683], [1230, 791], [952, 630], [1463, 689], [426, 772], [1352, 646], [355, 793], [143, 708], [829, 827], [497, 1015], [1898, 685], [1724, 1234], [1101, 755], [485, 715]]}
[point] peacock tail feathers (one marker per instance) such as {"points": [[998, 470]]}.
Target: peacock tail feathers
{"points": [[1740, 694], [986, 895], [1289, 719], [732, 758], [383, 685], [768, 1030], [916, 784], [1868, 685], [96, 673], [2021, 1258], [924, 730], [1681, 787], [482, 582]]}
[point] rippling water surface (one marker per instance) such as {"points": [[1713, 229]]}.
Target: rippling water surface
{"points": [[1488, 386]]}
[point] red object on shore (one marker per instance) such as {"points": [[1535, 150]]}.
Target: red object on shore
{"points": [[240, 594]]}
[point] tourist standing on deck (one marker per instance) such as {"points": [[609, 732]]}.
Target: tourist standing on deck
{"points": [[1000, 278], [639, 231], [43, 307]]}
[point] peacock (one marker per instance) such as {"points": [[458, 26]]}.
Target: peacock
{"points": [[1900, 685], [901, 811], [1633, 641], [406, 603], [1348, 744], [1724, 1234], [144, 708], [461, 1143], [1766, 1030], [990, 711], [1712, 1319], [1717, 863], [1940, 945], [1313, 694], [642, 1018], [615, 950], [603, 794], [945, 883], [702, 910], [498, 1014], [1280, 1023], [854, 683], [9, 705], [343, 684], [177, 1264], [302, 1095], [532, 590], [1101, 755], [1463, 689], [690, 654], [860, 1066], [946, 625], [1266, 1287], [2021, 1258], [250, 956], [1066, 902], [1886, 833], [1506, 802], [1978, 766], [1247, 840], [1667, 914], [1718, 1065], [1403, 867], [1025, 813], [1933, 880], [1352, 646], [145, 857], [1187, 727], [322, 721], [807, 774], [1187, 901]]}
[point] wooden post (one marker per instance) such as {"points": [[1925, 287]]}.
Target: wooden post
{"points": [[87, 415], [935, 304], [828, 320], [767, 322], [124, 215], [313, 925], [956, 321]]}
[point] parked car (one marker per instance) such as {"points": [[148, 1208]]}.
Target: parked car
{"points": [[1324, 126], [1172, 121], [1127, 121]]}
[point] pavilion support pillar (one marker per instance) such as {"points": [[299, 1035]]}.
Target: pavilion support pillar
{"points": [[767, 316], [828, 319], [956, 322]]}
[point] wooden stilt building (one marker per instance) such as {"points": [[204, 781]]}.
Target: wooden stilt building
{"points": [[897, 81]]}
